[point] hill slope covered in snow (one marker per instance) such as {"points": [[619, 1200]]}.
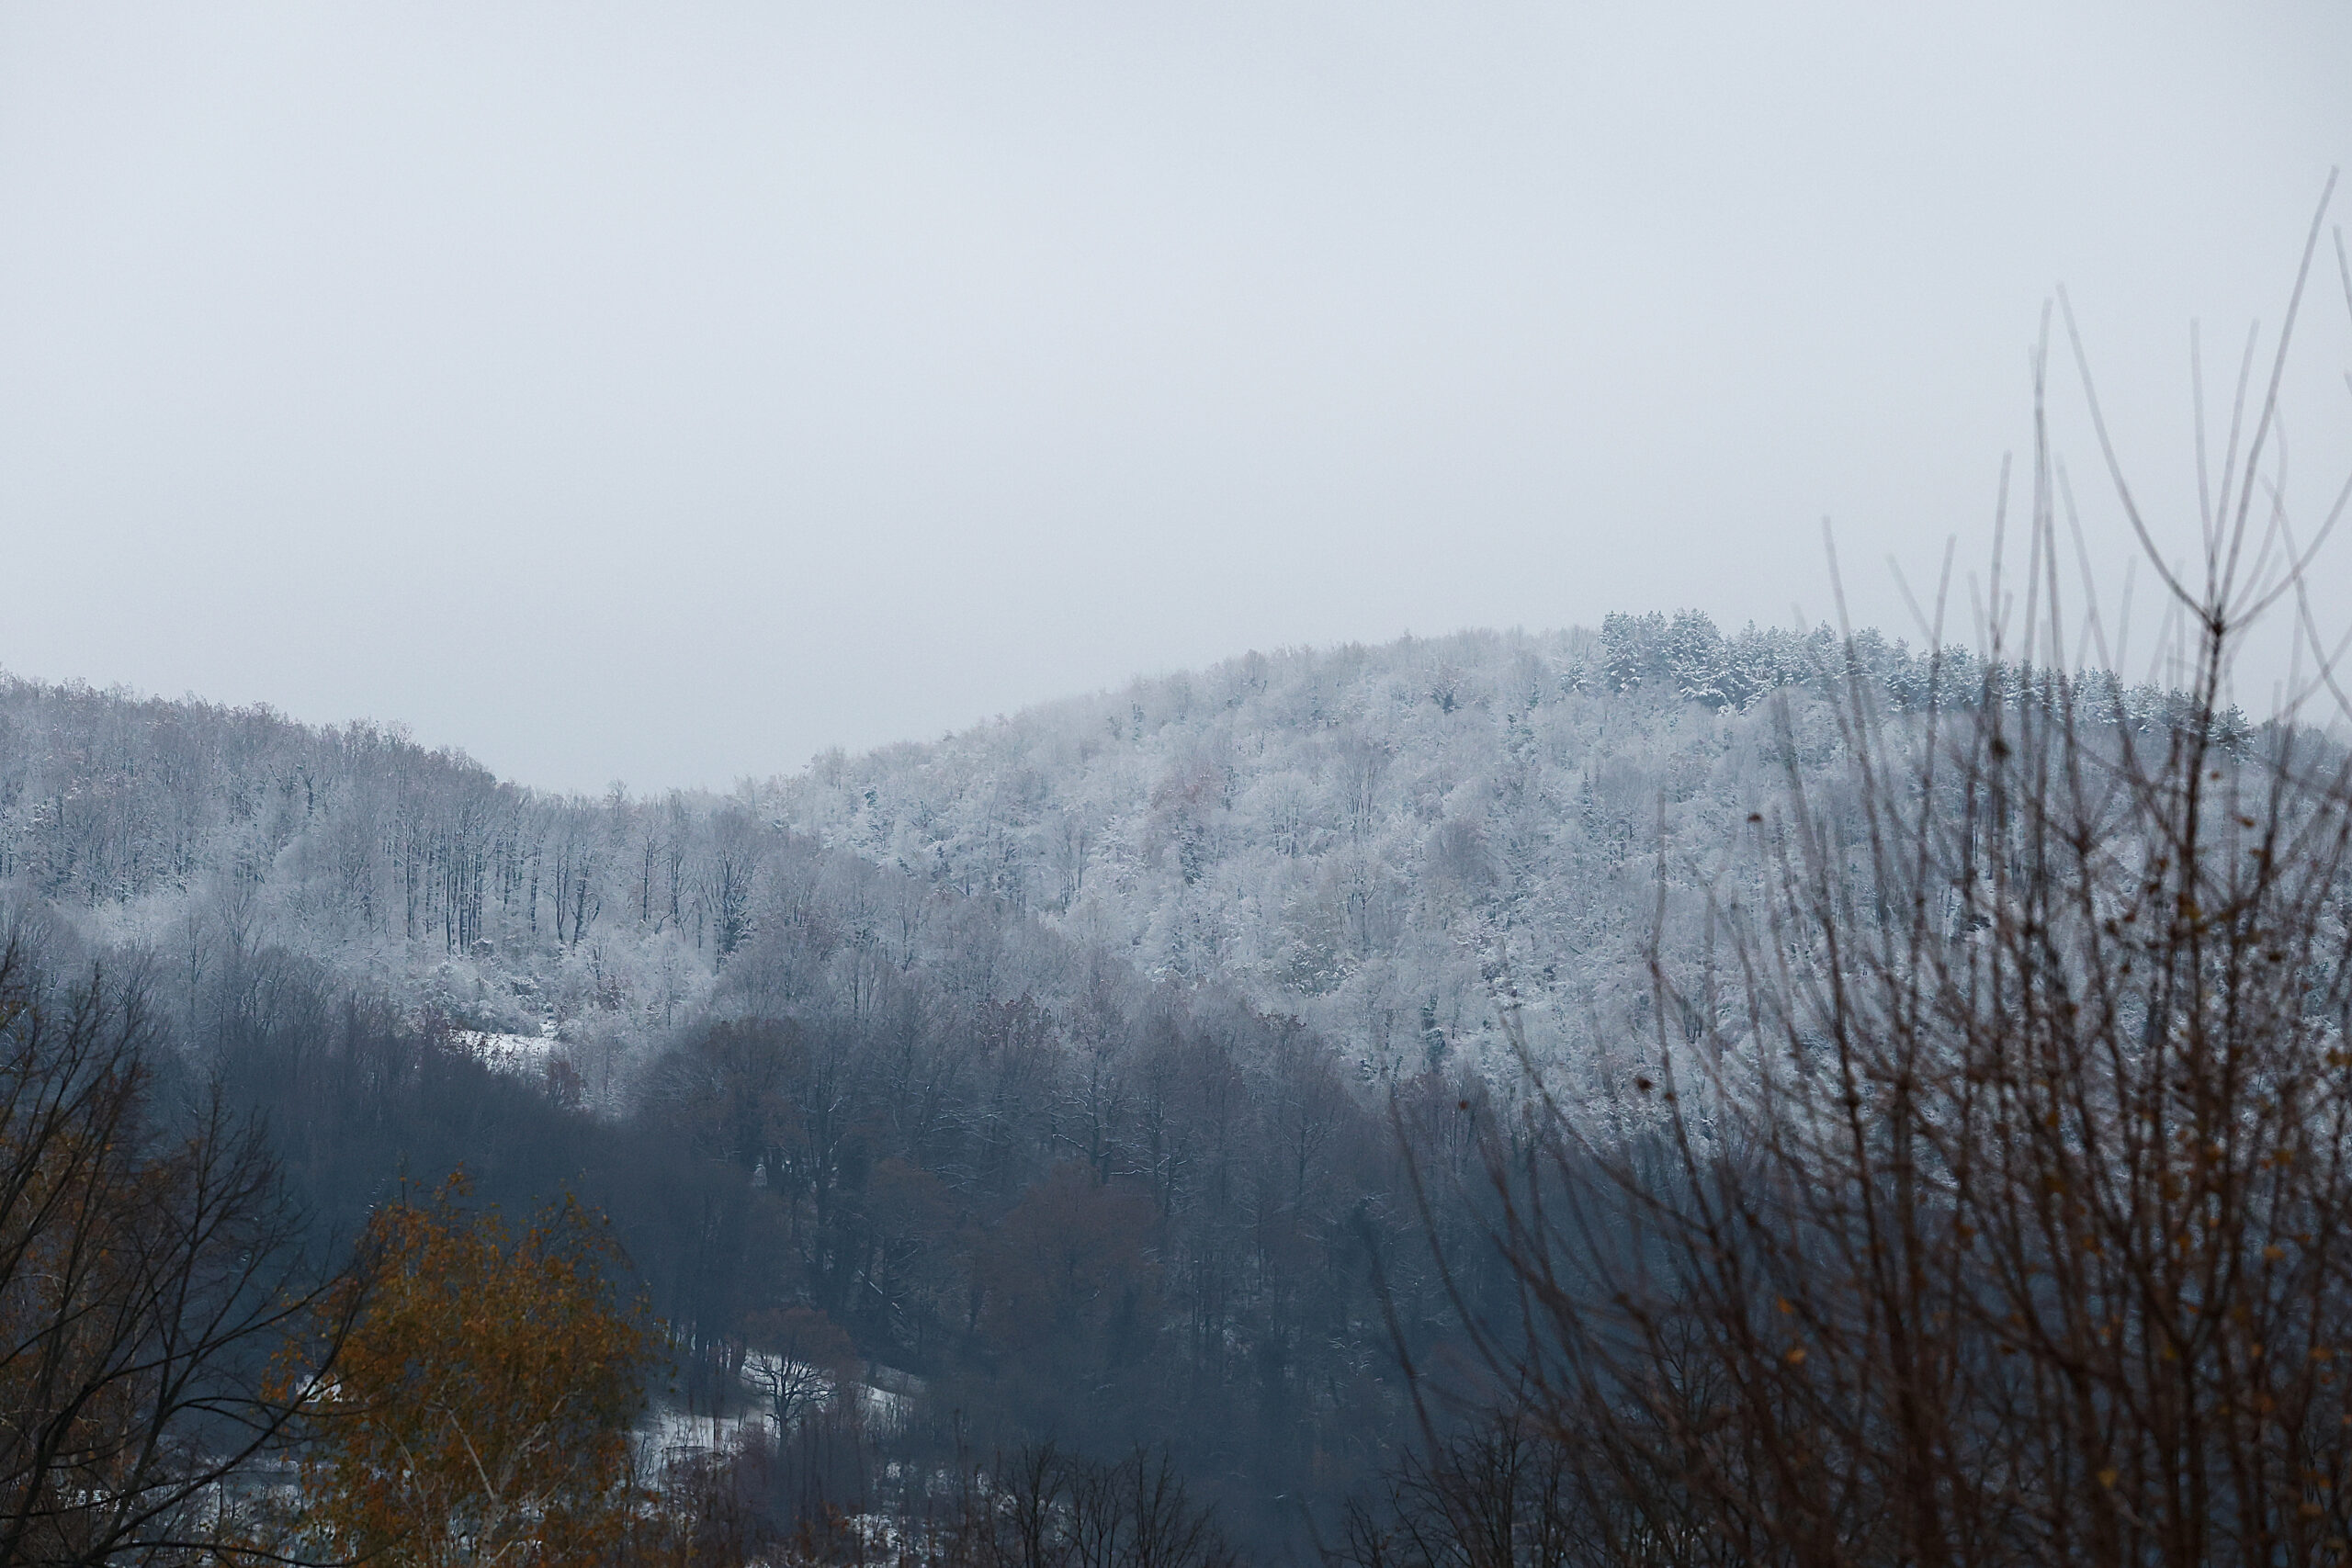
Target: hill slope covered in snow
{"points": [[1381, 840]]}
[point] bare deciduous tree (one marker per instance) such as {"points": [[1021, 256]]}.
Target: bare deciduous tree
{"points": [[1990, 1199], [150, 1276]]}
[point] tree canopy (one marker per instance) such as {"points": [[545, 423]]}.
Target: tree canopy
{"points": [[483, 1403]]}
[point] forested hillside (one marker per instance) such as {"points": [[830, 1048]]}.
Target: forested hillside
{"points": [[1379, 841], [1369, 839], [833, 1109], [1040, 1078]]}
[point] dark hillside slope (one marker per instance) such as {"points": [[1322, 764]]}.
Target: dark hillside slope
{"points": [[1056, 1197]]}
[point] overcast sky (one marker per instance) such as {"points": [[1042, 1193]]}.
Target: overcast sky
{"points": [[665, 392]]}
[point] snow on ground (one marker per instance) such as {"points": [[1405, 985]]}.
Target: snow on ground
{"points": [[884, 1411], [522, 1053], [669, 1432]]}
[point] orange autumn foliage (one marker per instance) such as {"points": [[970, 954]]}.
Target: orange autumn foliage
{"points": [[482, 1408]]}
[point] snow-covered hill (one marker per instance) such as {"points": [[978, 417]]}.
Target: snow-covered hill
{"points": [[1382, 841]]}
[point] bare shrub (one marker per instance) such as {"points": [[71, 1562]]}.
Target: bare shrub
{"points": [[1994, 1204], [151, 1277]]}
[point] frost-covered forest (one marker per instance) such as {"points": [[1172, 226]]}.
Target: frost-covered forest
{"points": [[1383, 842], [1042, 1073], [1364, 839]]}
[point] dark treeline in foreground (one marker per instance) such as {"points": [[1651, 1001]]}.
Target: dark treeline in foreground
{"points": [[1134, 1216]]}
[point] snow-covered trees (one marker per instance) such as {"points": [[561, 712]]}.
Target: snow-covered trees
{"points": [[1366, 837]]}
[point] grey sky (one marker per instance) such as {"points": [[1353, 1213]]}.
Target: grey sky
{"points": [[664, 392]]}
